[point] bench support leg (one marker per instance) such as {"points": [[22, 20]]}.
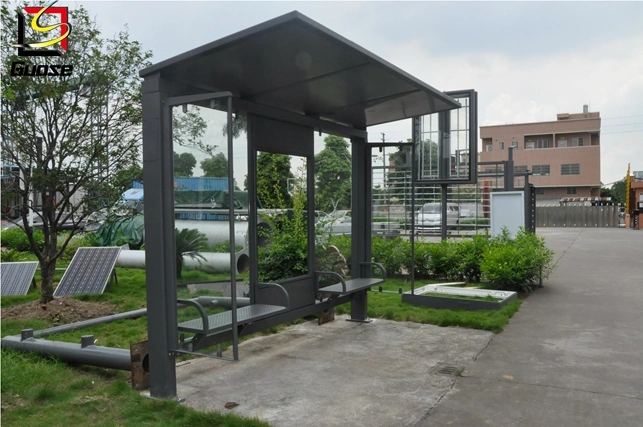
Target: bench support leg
{"points": [[359, 306]]}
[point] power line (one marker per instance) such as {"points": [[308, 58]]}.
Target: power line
{"points": [[624, 124], [622, 117], [625, 131]]}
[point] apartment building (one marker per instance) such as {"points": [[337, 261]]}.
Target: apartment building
{"points": [[564, 156]]}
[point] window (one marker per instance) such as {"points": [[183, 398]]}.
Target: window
{"points": [[488, 147], [542, 143], [514, 145], [501, 145], [571, 190], [540, 170], [530, 145], [570, 169], [562, 143], [520, 168], [493, 169], [540, 191], [577, 142]]}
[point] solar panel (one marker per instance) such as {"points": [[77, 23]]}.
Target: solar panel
{"points": [[88, 272], [15, 277]]}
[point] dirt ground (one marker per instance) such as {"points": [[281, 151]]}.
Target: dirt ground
{"points": [[61, 310]]}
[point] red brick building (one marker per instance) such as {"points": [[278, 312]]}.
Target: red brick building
{"points": [[563, 155]]}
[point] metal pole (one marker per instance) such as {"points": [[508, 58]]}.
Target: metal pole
{"points": [[509, 171], [443, 206], [159, 238], [233, 271]]}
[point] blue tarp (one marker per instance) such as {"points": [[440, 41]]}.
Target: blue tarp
{"points": [[194, 183]]}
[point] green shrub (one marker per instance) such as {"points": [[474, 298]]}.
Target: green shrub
{"points": [[444, 260], [343, 243], [11, 255], [479, 221], [391, 253], [286, 254], [222, 247], [16, 238], [77, 241], [516, 264], [422, 259], [469, 255]]}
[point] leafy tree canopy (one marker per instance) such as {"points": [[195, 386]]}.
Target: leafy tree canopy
{"points": [[273, 172], [75, 137], [333, 175], [215, 166], [184, 163]]}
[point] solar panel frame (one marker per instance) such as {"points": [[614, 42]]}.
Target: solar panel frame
{"points": [[88, 272], [16, 277]]}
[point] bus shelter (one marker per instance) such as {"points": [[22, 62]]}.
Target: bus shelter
{"points": [[290, 77]]}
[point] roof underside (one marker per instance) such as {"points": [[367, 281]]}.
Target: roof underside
{"points": [[295, 64]]}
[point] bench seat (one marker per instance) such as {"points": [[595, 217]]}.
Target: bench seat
{"points": [[220, 322], [354, 285], [205, 326], [342, 287]]}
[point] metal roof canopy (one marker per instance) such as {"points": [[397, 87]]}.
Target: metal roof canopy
{"points": [[292, 63]]}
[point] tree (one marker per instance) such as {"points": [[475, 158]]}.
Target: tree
{"points": [[188, 127], [183, 164], [239, 124], [189, 242], [618, 191], [333, 175], [68, 134], [215, 166], [273, 171]]}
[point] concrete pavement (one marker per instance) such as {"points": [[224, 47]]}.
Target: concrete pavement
{"points": [[572, 356]]}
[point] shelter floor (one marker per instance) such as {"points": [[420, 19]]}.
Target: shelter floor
{"points": [[342, 373]]}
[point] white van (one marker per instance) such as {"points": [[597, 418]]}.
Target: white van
{"points": [[430, 215]]}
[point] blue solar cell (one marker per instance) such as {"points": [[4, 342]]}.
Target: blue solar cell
{"points": [[15, 277], [88, 272]]}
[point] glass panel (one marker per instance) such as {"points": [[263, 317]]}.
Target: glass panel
{"points": [[282, 189], [201, 199], [459, 141], [428, 147], [457, 145]]}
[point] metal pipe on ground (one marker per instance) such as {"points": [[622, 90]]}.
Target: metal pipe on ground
{"points": [[91, 322], [85, 353], [213, 262]]}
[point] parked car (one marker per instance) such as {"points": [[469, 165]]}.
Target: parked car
{"points": [[430, 215]]}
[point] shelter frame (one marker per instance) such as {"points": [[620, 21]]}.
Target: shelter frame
{"points": [[346, 91]]}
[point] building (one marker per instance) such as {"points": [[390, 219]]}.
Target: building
{"points": [[564, 156]]}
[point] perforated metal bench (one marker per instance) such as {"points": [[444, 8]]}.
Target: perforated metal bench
{"points": [[343, 287], [208, 325]]}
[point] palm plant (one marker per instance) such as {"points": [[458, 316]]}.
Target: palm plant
{"points": [[188, 243]]}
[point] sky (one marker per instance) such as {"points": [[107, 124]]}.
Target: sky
{"points": [[528, 60]]}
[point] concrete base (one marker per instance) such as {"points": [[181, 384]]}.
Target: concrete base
{"points": [[340, 373]]}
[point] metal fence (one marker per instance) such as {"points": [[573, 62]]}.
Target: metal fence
{"points": [[577, 216]]}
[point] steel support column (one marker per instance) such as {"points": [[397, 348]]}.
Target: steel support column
{"points": [[361, 222], [160, 272]]}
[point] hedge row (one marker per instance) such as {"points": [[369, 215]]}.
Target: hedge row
{"points": [[512, 264]]}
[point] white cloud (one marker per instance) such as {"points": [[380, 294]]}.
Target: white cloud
{"points": [[527, 60]]}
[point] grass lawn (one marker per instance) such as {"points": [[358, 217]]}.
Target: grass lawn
{"points": [[39, 391]]}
